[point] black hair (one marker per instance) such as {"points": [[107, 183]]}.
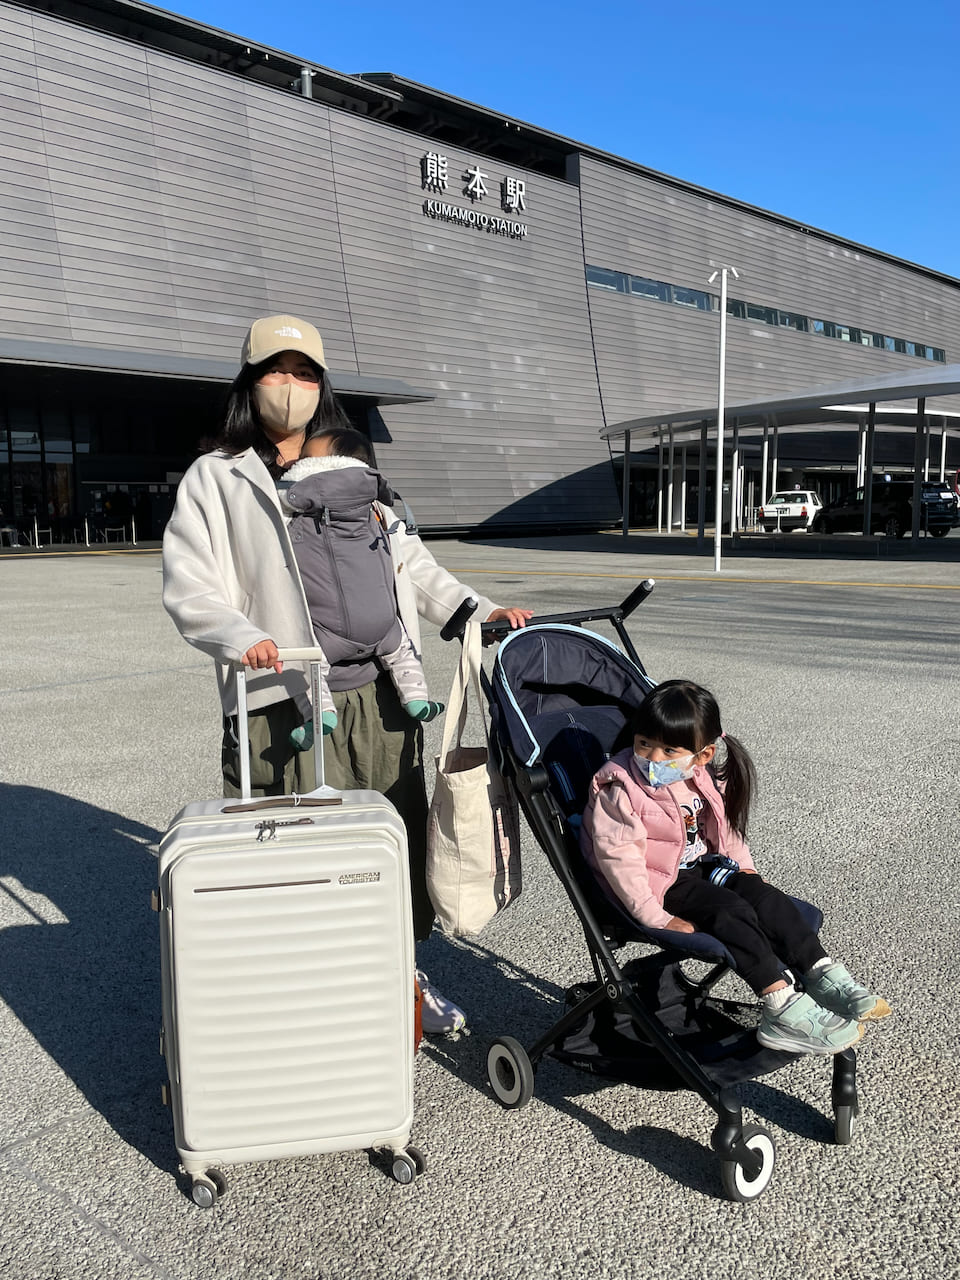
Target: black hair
{"points": [[345, 442], [683, 714], [242, 428]]}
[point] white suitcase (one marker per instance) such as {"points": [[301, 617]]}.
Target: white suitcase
{"points": [[287, 969]]}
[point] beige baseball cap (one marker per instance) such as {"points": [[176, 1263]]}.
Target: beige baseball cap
{"points": [[270, 335]]}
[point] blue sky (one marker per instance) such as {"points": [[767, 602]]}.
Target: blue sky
{"points": [[844, 117]]}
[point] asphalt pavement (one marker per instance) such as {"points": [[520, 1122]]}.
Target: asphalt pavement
{"points": [[836, 666]]}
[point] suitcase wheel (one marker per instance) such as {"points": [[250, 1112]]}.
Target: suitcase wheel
{"points": [[407, 1164], [207, 1188]]}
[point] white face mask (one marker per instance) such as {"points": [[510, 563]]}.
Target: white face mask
{"points": [[287, 407]]}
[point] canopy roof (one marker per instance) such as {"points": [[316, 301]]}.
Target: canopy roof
{"points": [[171, 364], [818, 408]]}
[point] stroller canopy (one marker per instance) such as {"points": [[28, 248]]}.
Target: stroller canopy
{"points": [[542, 670]]}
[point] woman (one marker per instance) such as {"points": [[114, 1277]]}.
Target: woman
{"points": [[231, 585]]}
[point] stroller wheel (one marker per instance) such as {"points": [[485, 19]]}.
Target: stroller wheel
{"points": [[737, 1183], [844, 1123], [510, 1072]]}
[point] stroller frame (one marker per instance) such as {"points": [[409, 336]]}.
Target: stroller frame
{"points": [[746, 1151]]}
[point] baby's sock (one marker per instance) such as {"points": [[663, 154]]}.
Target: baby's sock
{"points": [[825, 963], [302, 736], [775, 1000], [422, 710]]}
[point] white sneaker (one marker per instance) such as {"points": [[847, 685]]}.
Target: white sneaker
{"points": [[439, 1015]]}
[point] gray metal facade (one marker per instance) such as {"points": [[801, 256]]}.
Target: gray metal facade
{"points": [[654, 356], [157, 205]]}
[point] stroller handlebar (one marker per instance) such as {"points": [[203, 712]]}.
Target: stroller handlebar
{"points": [[453, 628]]}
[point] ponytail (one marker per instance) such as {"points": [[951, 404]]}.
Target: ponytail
{"points": [[738, 780]]}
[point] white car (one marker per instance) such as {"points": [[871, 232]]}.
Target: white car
{"points": [[789, 509]]}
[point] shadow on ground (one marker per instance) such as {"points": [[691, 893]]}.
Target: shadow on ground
{"points": [[79, 964], [745, 547], [505, 999]]}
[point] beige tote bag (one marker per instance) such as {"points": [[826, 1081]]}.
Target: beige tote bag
{"points": [[473, 830]]}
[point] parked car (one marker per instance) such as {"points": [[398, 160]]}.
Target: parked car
{"points": [[789, 509], [891, 510]]}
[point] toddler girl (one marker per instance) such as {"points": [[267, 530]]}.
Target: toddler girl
{"points": [[663, 831]]}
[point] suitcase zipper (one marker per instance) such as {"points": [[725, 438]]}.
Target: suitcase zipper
{"points": [[268, 830]]}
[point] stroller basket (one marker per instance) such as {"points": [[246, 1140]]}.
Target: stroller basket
{"points": [[561, 701]]}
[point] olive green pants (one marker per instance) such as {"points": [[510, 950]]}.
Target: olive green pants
{"points": [[376, 746]]}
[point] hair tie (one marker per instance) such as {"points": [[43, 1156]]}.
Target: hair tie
{"points": [[722, 734]]}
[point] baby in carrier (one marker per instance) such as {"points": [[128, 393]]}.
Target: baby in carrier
{"points": [[343, 553]]}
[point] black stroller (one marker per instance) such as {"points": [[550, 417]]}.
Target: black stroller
{"points": [[560, 702]]}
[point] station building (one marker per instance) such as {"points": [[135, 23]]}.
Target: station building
{"points": [[491, 295]]}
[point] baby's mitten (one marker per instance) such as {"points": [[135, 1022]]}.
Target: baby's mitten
{"points": [[421, 710]]}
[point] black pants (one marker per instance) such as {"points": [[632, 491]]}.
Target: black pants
{"points": [[757, 923]]}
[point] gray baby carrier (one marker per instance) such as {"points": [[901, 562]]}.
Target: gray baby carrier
{"points": [[343, 553]]}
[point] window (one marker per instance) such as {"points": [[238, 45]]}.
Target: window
{"points": [[790, 320], [691, 298], [655, 289], [616, 281], [768, 315], [696, 300]]}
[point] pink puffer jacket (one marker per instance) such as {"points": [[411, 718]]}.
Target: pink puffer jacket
{"points": [[633, 835]]}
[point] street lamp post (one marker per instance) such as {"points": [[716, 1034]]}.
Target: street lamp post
{"points": [[722, 272]]}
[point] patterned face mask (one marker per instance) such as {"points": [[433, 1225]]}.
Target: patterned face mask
{"points": [[662, 772]]}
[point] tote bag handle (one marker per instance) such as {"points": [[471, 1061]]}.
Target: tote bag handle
{"points": [[467, 674]]}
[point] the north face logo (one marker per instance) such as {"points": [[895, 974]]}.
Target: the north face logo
{"points": [[288, 331]]}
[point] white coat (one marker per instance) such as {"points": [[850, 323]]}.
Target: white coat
{"points": [[230, 579]]}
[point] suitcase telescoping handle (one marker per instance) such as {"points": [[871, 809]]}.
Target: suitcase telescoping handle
{"points": [[314, 656]]}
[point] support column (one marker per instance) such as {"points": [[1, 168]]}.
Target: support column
{"points": [[670, 466], [943, 449], [775, 459], [626, 483], [764, 457], [659, 480], [926, 450], [861, 451], [918, 468], [735, 480], [683, 489], [868, 469], [702, 488]]}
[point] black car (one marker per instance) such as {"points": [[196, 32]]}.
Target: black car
{"points": [[891, 510]]}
